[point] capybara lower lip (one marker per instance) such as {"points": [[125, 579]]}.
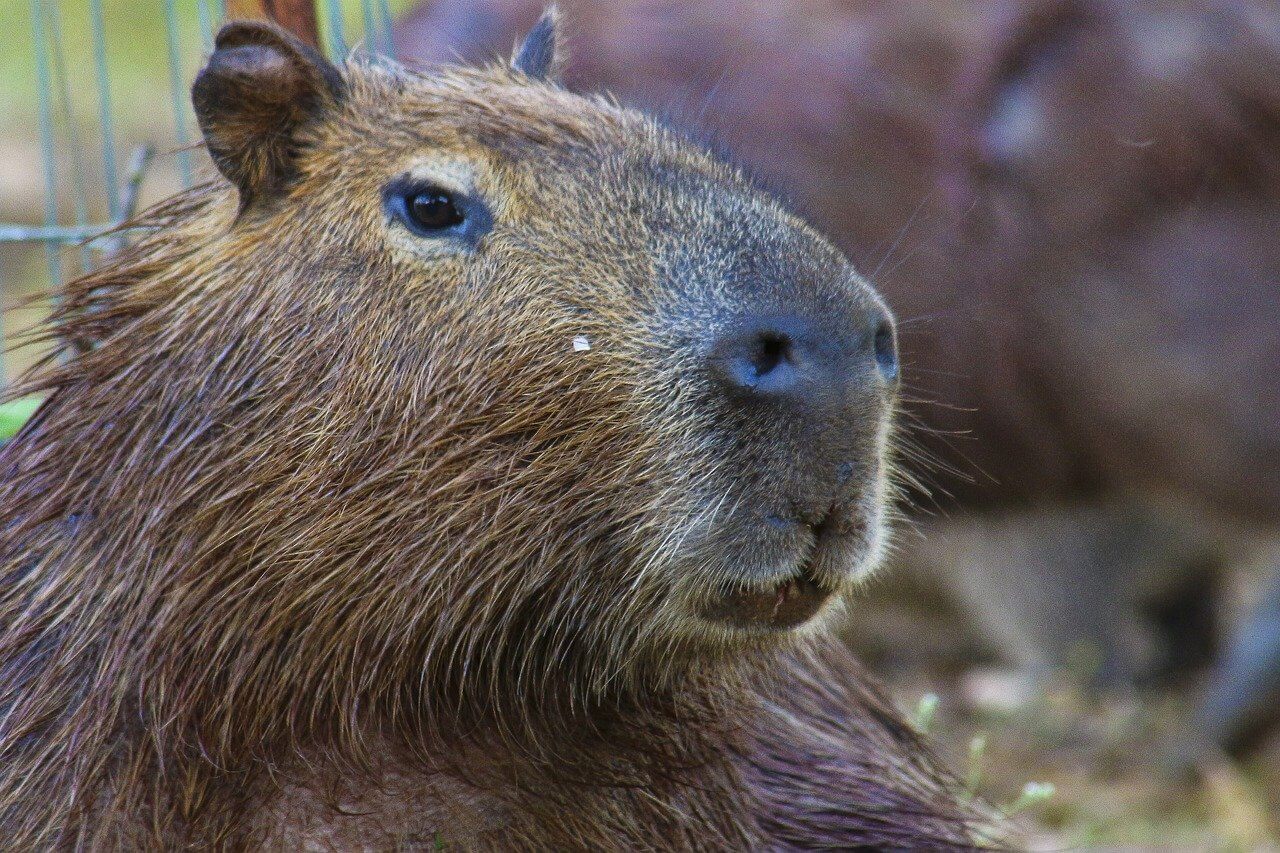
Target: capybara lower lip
{"points": [[784, 605]]}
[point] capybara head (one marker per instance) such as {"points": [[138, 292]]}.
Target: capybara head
{"points": [[463, 385]]}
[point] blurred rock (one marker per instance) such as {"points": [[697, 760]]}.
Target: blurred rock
{"points": [[998, 691]]}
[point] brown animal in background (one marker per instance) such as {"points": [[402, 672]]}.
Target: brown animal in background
{"points": [[1074, 207], [480, 467], [1123, 163]]}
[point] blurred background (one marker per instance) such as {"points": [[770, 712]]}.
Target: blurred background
{"points": [[1074, 208]]}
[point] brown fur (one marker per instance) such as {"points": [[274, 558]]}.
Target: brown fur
{"points": [[329, 538]]}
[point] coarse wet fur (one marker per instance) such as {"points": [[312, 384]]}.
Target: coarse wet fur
{"points": [[333, 535]]}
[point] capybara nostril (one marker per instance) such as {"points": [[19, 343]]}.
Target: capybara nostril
{"points": [[789, 360], [771, 351], [757, 358], [886, 349]]}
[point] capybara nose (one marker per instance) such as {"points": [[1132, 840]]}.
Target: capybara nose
{"points": [[788, 360]]}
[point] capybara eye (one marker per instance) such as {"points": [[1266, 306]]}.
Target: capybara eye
{"points": [[429, 210], [434, 210]]}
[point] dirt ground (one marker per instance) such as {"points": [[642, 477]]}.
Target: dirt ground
{"points": [[1117, 764]]}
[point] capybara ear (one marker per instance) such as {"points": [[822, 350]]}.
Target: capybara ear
{"points": [[540, 55], [258, 89]]}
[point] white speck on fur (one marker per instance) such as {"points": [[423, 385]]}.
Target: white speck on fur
{"points": [[581, 344]]}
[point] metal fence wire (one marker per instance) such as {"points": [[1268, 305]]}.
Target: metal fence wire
{"points": [[90, 185]]}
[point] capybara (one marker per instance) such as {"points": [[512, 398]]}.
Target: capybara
{"points": [[1072, 205], [478, 465]]}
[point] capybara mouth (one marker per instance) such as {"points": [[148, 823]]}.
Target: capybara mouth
{"points": [[786, 604]]}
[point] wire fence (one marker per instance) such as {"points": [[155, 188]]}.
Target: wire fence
{"points": [[73, 76]]}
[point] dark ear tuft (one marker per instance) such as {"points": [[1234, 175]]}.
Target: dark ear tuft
{"points": [[539, 56], [258, 89]]}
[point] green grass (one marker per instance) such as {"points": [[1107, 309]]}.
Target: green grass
{"points": [[14, 414]]}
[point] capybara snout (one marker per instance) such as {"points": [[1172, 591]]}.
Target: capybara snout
{"points": [[788, 362]]}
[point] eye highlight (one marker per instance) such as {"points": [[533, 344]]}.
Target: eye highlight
{"points": [[434, 212]]}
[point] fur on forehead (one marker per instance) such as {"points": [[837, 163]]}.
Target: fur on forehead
{"points": [[495, 103], [499, 108]]}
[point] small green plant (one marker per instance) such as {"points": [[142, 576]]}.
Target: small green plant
{"points": [[1033, 794], [926, 710], [977, 756]]}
